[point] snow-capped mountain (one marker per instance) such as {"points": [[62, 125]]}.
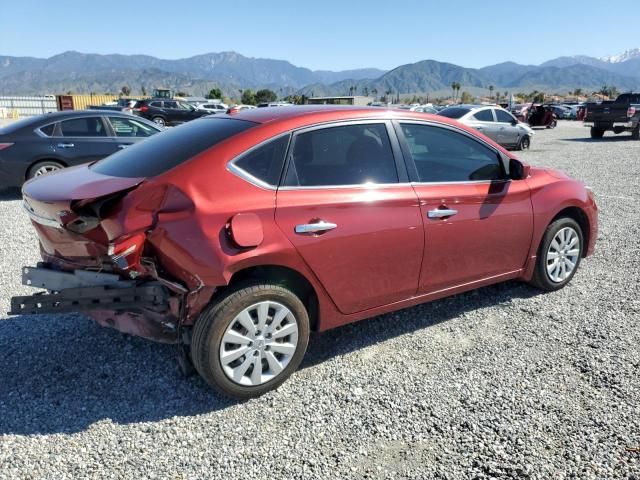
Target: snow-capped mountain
{"points": [[623, 57]]}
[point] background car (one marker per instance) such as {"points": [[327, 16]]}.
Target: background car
{"points": [[238, 108], [38, 145], [213, 107], [167, 113], [424, 109], [235, 237], [495, 122]]}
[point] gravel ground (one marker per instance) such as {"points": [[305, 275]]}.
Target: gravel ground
{"points": [[503, 382]]}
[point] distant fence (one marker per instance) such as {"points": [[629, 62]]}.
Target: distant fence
{"points": [[14, 107]]}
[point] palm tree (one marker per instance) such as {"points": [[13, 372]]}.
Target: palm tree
{"points": [[577, 92], [491, 87], [457, 89], [374, 92], [453, 90]]}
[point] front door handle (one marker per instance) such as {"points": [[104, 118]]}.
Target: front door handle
{"points": [[66, 145], [122, 146], [316, 227], [441, 213]]}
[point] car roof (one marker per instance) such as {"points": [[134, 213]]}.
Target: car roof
{"points": [[300, 116]]}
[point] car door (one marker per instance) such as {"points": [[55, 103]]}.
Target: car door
{"points": [[484, 121], [128, 131], [82, 140], [508, 130], [477, 223], [346, 205]]}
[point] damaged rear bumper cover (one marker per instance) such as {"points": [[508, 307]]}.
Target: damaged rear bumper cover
{"points": [[142, 309]]}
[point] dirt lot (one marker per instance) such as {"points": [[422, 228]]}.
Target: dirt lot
{"points": [[504, 382]]}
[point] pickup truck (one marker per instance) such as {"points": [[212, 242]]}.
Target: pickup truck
{"points": [[619, 115]]}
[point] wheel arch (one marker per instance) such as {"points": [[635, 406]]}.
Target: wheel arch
{"points": [[581, 218], [284, 276]]}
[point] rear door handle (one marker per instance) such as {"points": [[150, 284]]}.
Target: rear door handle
{"points": [[66, 145], [316, 227], [441, 213]]}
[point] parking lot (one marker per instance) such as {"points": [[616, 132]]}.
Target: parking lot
{"points": [[503, 382]]}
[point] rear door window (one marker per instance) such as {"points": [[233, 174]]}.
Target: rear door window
{"points": [[443, 155], [170, 148], [83, 127], [344, 155], [484, 116]]}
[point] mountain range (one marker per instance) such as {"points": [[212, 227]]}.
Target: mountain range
{"points": [[231, 71]]}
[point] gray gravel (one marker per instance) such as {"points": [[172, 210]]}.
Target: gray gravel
{"points": [[499, 383]]}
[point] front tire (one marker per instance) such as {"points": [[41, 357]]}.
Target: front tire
{"points": [[559, 255], [525, 143], [251, 340], [553, 124]]}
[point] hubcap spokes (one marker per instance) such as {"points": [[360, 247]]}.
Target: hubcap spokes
{"points": [[259, 343], [45, 169], [563, 254]]}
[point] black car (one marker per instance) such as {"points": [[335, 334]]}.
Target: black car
{"points": [[165, 112], [37, 145]]}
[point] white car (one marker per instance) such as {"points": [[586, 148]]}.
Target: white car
{"points": [[495, 122], [217, 107]]}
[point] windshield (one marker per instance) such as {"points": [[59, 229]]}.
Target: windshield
{"points": [[454, 112], [170, 148]]}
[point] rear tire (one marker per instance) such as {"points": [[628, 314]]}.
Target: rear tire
{"points": [[597, 132], [553, 124], [42, 168], [159, 121], [553, 268], [250, 340], [635, 134]]}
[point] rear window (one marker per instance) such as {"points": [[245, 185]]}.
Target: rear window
{"points": [[170, 148], [454, 112]]}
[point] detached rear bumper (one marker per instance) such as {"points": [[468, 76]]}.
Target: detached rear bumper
{"points": [[143, 309]]}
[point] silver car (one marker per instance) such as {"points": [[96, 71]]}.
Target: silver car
{"points": [[495, 122]]}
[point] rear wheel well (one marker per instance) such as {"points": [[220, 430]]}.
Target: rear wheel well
{"points": [[28, 170], [283, 276], [581, 218]]}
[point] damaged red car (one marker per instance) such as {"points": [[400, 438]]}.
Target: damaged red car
{"points": [[237, 236]]}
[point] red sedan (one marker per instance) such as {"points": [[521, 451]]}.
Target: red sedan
{"points": [[236, 236]]}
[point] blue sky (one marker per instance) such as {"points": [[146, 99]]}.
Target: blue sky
{"points": [[327, 34]]}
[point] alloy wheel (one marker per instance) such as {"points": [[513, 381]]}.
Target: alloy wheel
{"points": [[44, 169], [259, 343], [563, 254]]}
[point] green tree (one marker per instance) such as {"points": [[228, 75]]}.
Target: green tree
{"points": [[466, 97], [577, 92], [182, 94], [143, 90], [248, 97], [126, 91], [215, 93], [265, 96], [374, 92]]}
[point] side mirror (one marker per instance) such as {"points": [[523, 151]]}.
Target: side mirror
{"points": [[514, 122], [518, 170]]}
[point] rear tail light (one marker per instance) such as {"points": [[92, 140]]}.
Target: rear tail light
{"points": [[631, 111], [125, 252], [143, 108], [5, 145]]}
